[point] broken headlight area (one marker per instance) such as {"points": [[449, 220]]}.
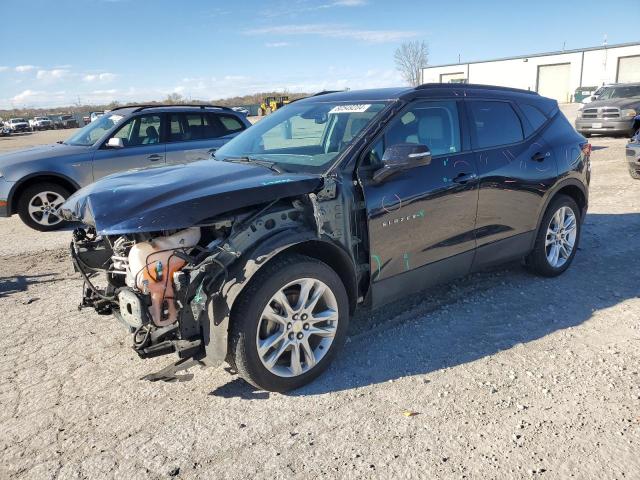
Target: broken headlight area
{"points": [[171, 288], [148, 281]]}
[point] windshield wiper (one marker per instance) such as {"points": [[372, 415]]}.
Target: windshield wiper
{"points": [[263, 163]]}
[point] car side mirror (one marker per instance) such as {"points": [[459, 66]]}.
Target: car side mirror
{"points": [[114, 142], [401, 157]]}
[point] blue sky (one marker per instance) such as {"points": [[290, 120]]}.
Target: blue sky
{"points": [[56, 52]]}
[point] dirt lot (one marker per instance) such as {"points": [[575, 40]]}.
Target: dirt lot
{"points": [[508, 375]]}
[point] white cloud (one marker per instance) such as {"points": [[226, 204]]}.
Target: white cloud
{"points": [[3, 69], [335, 31], [25, 68], [276, 44], [99, 77], [51, 75]]}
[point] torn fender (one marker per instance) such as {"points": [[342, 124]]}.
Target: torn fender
{"points": [[216, 325], [179, 196]]}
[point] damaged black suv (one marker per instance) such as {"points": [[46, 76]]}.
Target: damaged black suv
{"points": [[260, 255]]}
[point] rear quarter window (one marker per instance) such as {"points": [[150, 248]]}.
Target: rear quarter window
{"points": [[230, 124], [535, 117], [494, 123]]}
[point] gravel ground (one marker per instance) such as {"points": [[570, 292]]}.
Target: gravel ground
{"points": [[498, 375]]}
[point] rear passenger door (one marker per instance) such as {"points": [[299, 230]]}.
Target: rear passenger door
{"points": [[195, 136], [515, 170]]}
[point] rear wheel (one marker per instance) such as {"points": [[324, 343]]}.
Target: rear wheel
{"points": [[288, 323], [557, 238], [38, 206]]}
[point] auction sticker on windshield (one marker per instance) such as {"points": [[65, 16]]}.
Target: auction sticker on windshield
{"points": [[116, 118], [350, 108]]}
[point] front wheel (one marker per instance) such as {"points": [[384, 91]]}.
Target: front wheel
{"points": [[38, 206], [288, 323], [557, 238]]}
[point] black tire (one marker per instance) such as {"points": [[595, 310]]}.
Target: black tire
{"points": [[246, 316], [634, 174], [537, 260], [32, 191]]}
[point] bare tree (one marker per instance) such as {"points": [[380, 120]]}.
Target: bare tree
{"points": [[411, 58], [174, 99]]}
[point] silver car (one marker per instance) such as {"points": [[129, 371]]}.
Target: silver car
{"points": [[35, 182]]}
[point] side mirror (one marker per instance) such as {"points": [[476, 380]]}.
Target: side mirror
{"points": [[401, 157], [115, 143]]}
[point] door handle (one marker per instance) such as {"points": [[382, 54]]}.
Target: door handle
{"points": [[539, 157], [464, 177], [155, 157]]}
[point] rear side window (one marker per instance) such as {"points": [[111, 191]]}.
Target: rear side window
{"points": [[536, 117], [494, 123], [184, 127], [229, 124]]}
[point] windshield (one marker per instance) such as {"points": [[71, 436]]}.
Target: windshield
{"points": [[91, 133], [18, 120], [620, 92], [302, 136]]}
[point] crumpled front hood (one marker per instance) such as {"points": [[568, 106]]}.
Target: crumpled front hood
{"points": [[53, 150], [179, 196]]}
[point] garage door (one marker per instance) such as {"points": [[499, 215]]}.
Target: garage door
{"points": [[629, 69], [554, 81], [458, 77]]}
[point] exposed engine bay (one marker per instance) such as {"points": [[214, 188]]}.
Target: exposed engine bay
{"points": [[172, 288]]}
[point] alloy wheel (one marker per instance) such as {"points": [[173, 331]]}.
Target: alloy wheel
{"points": [[297, 327], [43, 208], [561, 237]]}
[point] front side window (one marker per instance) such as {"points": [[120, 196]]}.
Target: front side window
{"points": [[142, 130], [305, 136], [494, 123], [432, 123]]}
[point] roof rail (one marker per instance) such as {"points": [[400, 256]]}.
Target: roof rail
{"points": [[327, 92], [138, 108], [474, 86]]}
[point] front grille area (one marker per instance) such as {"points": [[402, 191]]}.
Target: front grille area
{"points": [[603, 112]]}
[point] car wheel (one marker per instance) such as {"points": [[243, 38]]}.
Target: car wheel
{"points": [[287, 325], [557, 238], [38, 206], [634, 174]]}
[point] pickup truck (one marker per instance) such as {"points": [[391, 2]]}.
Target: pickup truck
{"points": [[41, 123], [18, 125]]}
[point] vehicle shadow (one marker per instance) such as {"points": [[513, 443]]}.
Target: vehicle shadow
{"points": [[481, 314], [20, 283]]}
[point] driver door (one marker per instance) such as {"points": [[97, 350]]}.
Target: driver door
{"points": [[421, 221], [143, 147]]}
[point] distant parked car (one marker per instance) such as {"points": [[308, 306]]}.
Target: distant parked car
{"points": [[5, 131], [35, 182], [612, 113], [64, 121], [18, 125], [41, 123], [95, 115], [241, 110]]}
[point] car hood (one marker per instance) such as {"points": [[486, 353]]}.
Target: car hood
{"points": [[614, 102], [38, 153], [179, 196]]}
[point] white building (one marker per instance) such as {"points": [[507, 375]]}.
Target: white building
{"points": [[555, 74]]}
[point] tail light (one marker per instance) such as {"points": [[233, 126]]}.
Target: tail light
{"points": [[586, 149]]}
